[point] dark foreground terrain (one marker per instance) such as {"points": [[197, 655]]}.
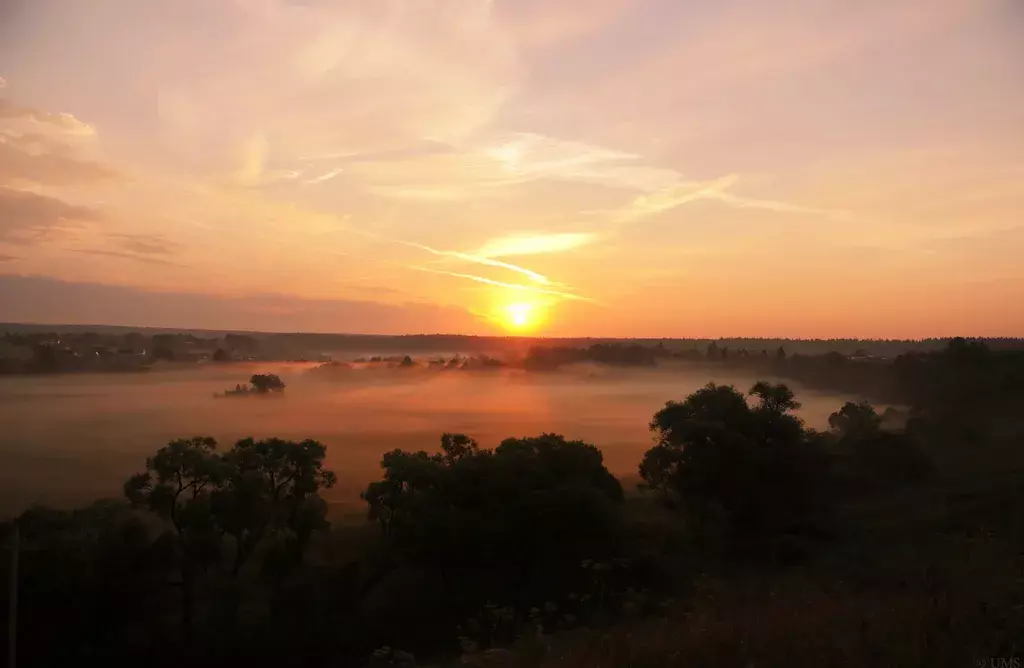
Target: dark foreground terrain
{"points": [[890, 538]]}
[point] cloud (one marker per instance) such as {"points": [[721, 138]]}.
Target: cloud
{"points": [[65, 123], [529, 156], [27, 217], [512, 286], [456, 255], [467, 257], [717, 190], [46, 300], [774, 205], [670, 198], [326, 176], [534, 244], [324, 78], [541, 24], [3, 83], [426, 193], [46, 148], [149, 259], [484, 168], [145, 244], [21, 159]]}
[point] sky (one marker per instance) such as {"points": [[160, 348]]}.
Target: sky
{"points": [[635, 168]]}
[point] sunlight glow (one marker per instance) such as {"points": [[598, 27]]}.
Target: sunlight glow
{"points": [[520, 317]]}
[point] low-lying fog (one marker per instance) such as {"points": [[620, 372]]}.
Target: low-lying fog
{"points": [[68, 439]]}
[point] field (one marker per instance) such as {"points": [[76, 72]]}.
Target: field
{"points": [[68, 439]]}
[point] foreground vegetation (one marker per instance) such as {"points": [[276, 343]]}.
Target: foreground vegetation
{"points": [[752, 540]]}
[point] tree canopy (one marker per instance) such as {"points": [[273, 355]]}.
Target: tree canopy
{"points": [[267, 382], [750, 471], [529, 502]]}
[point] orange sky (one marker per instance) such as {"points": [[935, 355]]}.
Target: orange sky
{"points": [[800, 168]]}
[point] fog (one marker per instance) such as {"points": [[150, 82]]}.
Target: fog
{"points": [[68, 439]]}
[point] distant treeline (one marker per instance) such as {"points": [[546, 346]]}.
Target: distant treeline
{"points": [[915, 377], [451, 343]]}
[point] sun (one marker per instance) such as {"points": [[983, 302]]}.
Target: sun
{"points": [[520, 316]]}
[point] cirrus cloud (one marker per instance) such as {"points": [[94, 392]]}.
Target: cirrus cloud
{"points": [[534, 244]]}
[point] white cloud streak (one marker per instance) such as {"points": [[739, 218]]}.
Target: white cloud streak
{"points": [[467, 257], [512, 286], [327, 176], [534, 244]]}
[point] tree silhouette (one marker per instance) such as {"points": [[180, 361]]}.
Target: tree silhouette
{"points": [[258, 488], [265, 383], [871, 456], [753, 472], [778, 399], [502, 519], [855, 420], [177, 485], [272, 485]]}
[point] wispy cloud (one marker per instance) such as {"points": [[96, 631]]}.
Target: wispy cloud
{"points": [[145, 244], [458, 255], [530, 157], [534, 244], [660, 201], [670, 198], [501, 284], [327, 176], [775, 205], [476, 259], [149, 259]]}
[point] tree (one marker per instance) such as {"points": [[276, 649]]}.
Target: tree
{"points": [[257, 489], [458, 446], [855, 420], [777, 399], [177, 486], [272, 485], [713, 351], [501, 520], [265, 383], [871, 456], [780, 354], [659, 467], [220, 355], [752, 473]]}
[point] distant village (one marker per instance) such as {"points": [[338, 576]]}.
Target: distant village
{"points": [[50, 352]]}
